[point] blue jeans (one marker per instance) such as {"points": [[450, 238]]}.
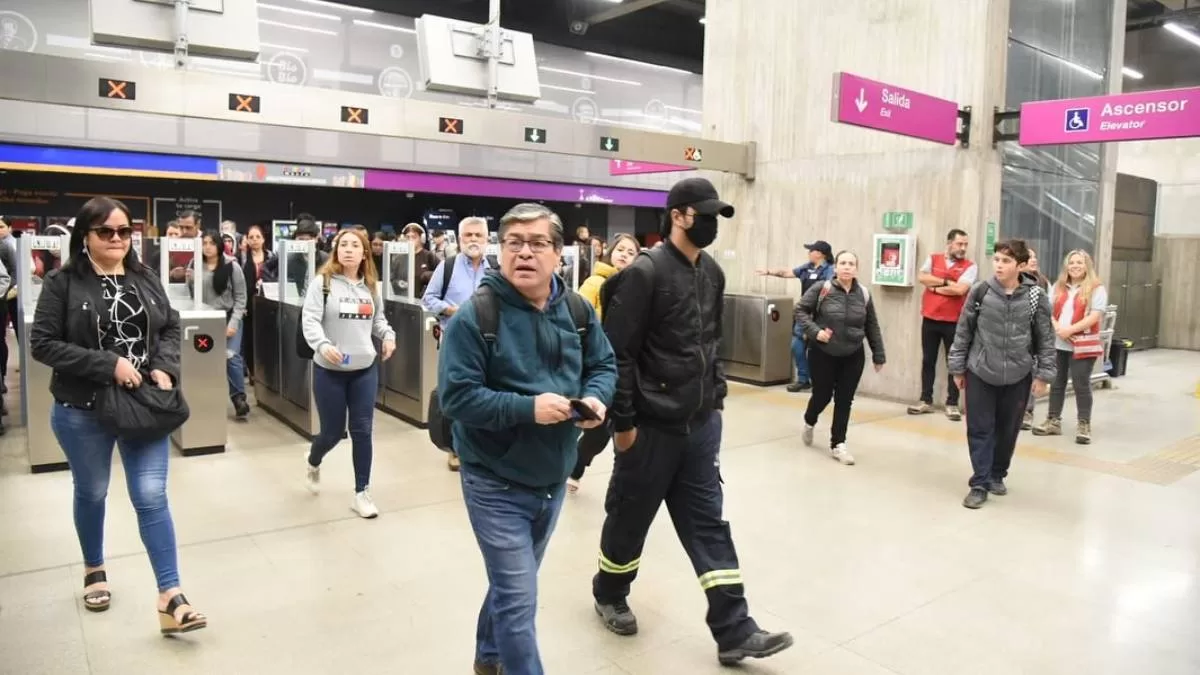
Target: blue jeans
{"points": [[513, 525], [235, 367], [337, 392], [801, 358], [89, 452]]}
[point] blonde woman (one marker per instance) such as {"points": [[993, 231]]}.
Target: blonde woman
{"points": [[342, 312], [1079, 300]]}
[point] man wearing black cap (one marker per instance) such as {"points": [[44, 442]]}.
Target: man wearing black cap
{"points": [[818, 268], [662, 315]]}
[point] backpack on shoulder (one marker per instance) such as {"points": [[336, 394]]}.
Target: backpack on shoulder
{"points": [[827, 286], [487, 317], [1035, 298]]}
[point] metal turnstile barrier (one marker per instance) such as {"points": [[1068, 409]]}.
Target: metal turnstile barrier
{"points": [[203, 381], [410, 376], [36, 402], [756, 338], [283, 380]]}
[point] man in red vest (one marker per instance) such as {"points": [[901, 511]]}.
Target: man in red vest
{"points": [[947, 278]]}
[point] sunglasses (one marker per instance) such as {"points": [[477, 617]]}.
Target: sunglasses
{"points": [[108, 233]]}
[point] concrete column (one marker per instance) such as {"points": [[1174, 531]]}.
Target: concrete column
{"points": [[1107, 195], [768, 77]]}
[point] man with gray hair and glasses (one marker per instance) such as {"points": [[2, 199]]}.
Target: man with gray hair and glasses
{"points": [[525, 364], [454, 281]]}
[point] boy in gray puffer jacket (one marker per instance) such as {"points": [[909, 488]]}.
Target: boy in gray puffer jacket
{"points": [[1004, 325]]}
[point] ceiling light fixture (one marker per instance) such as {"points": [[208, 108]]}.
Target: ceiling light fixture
{"points": [[306, 29], [1184, 33], [300, 12], [1131, 73], [602, 78], [639, 63], [286, 48], [334, 5], [570, 89], [384, 26]]}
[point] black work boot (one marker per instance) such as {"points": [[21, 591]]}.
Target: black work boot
{"points": [[617, 617], [240, 407], [975, 498], [759, 645]]}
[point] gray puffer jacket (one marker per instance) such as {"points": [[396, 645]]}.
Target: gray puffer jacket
{"points": [[999, 334], [850, 314]]}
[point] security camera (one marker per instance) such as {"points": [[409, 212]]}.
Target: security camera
{"points": [[578, 27]]}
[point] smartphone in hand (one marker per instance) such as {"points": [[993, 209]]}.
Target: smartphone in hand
{"points": [[582, 411]]}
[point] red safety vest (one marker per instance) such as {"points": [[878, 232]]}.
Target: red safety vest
{"points": [[1079, 310], [944, 307]]}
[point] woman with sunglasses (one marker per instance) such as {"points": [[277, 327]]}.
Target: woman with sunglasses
{"points": [[104, 319]]}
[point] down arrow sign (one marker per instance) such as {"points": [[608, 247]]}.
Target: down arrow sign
{"points": [[861, 101]]}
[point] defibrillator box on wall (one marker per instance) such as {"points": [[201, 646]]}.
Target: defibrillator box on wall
{"points": [[893, 260]]}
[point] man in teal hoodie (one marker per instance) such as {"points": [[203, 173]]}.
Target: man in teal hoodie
{"points": [[510, 395]]}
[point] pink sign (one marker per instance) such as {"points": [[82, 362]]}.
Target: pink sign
{"points": [[877, 105], [1167, 113], [624, 167]]}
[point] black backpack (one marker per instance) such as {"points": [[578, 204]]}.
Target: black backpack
{"points": [[487, 317], [1035, 298]]}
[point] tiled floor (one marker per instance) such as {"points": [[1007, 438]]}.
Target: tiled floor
{"points": [[1090, 565]]}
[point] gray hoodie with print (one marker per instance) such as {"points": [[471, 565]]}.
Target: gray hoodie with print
{"points": [[1000, 333], [347, 319]]}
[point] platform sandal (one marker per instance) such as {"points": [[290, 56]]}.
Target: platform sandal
{"points": [[170, 625], [98, 600]]}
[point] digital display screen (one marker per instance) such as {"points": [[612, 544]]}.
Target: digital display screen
{"points": [[438, 219]]}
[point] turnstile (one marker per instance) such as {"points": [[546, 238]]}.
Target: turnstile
{"points": [[203, 381], [756, 338], [41, 446], [410, 376]]}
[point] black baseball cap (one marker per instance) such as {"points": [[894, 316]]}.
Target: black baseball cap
{"points": [[699, 194], [823, 247]]}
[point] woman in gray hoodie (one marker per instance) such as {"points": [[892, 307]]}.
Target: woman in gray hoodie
{"points": [[223, 286], [342, 311]]}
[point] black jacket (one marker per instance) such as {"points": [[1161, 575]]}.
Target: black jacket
{"points": [[67, 324], [662, 315], [850, 314]]}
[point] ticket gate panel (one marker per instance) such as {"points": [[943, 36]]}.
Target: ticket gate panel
{"points": [[205, 386], [44, 452]]}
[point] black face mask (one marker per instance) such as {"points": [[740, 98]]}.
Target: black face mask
{"points": [[703, 231]]}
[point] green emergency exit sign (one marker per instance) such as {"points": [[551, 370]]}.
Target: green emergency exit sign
{"points": [[898, 220]]}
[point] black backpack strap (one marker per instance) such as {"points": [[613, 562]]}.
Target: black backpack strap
{"points": [[578, 305], [325, 292], [487, 313], [447, 272]]}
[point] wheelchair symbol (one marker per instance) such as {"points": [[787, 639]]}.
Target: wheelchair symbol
{"points": [[1077, 119]]}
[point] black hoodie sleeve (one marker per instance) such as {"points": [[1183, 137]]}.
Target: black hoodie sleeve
{"points": [[630, 295]]}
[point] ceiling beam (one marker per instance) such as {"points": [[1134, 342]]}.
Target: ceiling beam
{"points": [[621, 10]]}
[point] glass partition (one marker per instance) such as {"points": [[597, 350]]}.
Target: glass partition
{"points": [[45, 253], [491, 253], [399, 272], [179, 264], [297, 263], [570, 266]]}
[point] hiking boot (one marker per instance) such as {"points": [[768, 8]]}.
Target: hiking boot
{"points": [[1051, 427], [1027, 422], [975, 498], [617, 617], [1083, 433], [796, 387], [759, 645], [997, 487], [953, 413], [921, 408]]}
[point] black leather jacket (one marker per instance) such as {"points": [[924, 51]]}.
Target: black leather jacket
{"points": [[662, 315], [66, 331]]}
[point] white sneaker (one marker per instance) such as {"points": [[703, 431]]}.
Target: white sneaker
{"points": [[363, 505], [313, 479], [840, 453], [807, 436]]}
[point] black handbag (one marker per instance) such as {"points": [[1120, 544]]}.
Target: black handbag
{"points": [[440, 433], [146, 413]]}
